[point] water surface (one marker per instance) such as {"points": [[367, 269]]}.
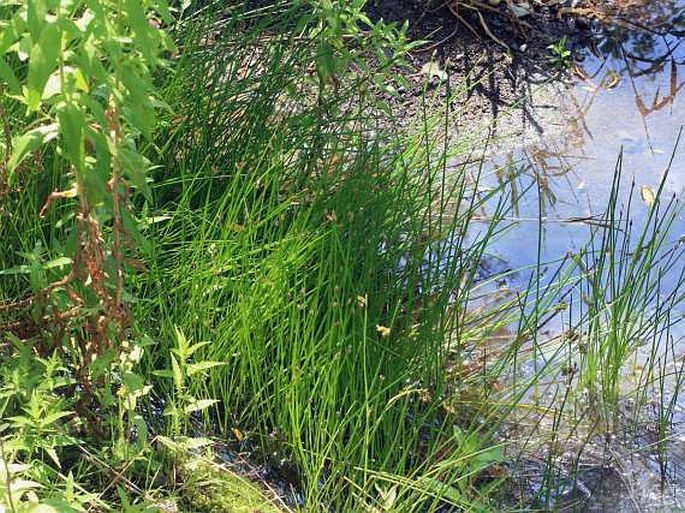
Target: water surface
{"points": [[628, 100]]}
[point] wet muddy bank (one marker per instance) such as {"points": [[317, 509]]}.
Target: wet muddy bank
{"points": [[565, 127]]}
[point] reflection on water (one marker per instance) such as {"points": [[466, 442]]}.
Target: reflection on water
{"points": [[640, 52], [628, 98]]}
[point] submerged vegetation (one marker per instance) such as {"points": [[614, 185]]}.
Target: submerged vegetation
{"points": [[231, 281]]}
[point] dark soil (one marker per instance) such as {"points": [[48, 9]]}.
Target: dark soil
{"points": [[492, 79]]}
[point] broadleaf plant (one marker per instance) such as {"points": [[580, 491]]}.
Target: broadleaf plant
{"points": [[82, 71]]}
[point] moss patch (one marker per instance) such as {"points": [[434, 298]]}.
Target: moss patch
{"points": [[213, 489]]}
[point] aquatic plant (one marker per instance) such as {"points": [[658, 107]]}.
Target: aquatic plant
{"points": [[298, 275]]}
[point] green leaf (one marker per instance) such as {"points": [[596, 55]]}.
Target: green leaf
{"points": [[42, 63], [437, 487], [53, 456], [58, 262], [195, 442], [29, 142], [72, 121], [20, 269], [194, 368], [25, 269], [11, 33], [195, 347], [163, 8], [19, 485], [200, 404], [326, 63], [133, 381], [141, 29], [178, 375], [142, 429], [97, 169], [15, 468], [8, 77], [19, 421], [51, 418], [181, 342], [170, 410], [135, 167], [88, 60], [37, 12], [485, 458], [62, 505]]}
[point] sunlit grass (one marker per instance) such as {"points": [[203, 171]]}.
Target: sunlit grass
{"points": [[331, 260]]}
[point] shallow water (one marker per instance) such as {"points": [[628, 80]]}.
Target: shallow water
{"points": [[628, 98], [618, 108]]}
